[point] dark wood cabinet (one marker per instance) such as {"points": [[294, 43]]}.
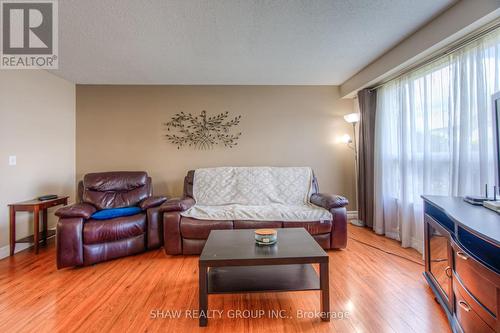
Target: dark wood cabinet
{"points": [[439, 260], [462, 262]]}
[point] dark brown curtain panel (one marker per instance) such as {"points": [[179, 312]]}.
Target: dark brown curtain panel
{"points": [[367, 100]]}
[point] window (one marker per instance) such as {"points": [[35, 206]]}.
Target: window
{"points": [[434, 135]]}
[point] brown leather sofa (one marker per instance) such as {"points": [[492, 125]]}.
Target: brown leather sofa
{"points": [[184, 235], [83, 241]]}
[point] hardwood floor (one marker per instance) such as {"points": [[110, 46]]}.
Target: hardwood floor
{"points": [[381, 293]]}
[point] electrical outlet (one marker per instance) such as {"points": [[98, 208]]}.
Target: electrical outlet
{"points": [[12, 160]]}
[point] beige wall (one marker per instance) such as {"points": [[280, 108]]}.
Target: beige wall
{"points": [[37, 124], [120, 128]]}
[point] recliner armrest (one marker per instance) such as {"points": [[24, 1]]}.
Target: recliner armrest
{"points": [[177, 204], [152, 202], [83, 210], [69, 242], [328, 201]]}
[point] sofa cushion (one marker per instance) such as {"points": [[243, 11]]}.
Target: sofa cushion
{"points": [[189, 180], [246, 224], [116, 189], [249, 186], [107, 214], [271, 212], [94, 253], [116, 181], [98, 231], [200, 229], [313, 227], [105, 200], [255, 193]]}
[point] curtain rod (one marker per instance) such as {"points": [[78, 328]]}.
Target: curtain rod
{"points": [[444, 52]]}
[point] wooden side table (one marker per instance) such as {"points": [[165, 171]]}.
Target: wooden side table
{"points": [[36, 206]]}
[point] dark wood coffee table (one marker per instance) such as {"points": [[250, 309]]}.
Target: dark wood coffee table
{"points": [[231, 262]]}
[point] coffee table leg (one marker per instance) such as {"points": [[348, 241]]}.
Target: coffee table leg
{"points": [[325, 290], [203, 300]]}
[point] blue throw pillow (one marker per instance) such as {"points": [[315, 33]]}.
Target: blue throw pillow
{"points": [[107, 214]]}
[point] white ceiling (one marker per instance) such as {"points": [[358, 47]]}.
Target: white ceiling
{"points": [[230, 41]]}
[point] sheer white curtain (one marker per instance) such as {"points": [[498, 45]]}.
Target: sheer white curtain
{"points": [[433, 135]]}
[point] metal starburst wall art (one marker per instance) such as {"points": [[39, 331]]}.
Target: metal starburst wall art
{"points": [[202, 132]]}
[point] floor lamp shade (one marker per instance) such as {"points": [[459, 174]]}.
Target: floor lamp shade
{"points": [[352, 118]]}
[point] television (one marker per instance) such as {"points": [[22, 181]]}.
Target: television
{"points": [[496, 134]]}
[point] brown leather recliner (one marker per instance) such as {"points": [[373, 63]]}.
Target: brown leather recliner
{"points": [[83, 241], [185, 235]]}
